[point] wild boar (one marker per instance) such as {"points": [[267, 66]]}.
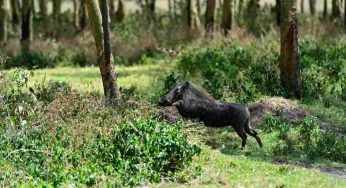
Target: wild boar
{"points": [[195, 103]]}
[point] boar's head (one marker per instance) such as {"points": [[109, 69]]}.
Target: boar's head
{"points": [[175, 95]]}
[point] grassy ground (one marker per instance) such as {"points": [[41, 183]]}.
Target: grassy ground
{"points": [[88, 79], [223, 164]]}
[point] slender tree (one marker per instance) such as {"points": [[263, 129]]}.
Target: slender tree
{"points": [[210, 15], [4, 12], [336, 13], [192, 18], [345, 13], [27, 31], [290, 55], [76, 14], [227, 16], [325, 9], [278, 12], [240, 8], [15, 12], [302, 6], [111, 7], [56, 8], [120, 14], [43, 5], [100, 31], [312, 4], [83, 15]]}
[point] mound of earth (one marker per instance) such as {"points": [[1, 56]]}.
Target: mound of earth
{"points": [[278, 107]]}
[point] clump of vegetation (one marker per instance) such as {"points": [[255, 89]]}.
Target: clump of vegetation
{"points": [[36, 147], [306, 140]]}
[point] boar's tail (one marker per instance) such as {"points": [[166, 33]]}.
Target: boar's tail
{"points": [[250, 131]]}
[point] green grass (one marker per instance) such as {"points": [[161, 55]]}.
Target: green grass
{"points": [[89, 78], [230, 166]]}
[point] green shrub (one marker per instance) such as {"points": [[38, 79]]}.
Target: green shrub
{"points": [[30, 60], [80, 60], [47, 92], [306, 140], [144, 150]]}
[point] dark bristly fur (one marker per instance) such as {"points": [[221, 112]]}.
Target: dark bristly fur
{"points": [[195, 103]]}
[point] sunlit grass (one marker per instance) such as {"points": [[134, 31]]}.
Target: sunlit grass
{"points": [[89, 78]]}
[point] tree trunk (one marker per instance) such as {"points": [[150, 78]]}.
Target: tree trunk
{"points": [[278, 12], [56, 9], [111, 7], [43, 5], [151, 8], [4, 12], [120, 14], [312, 4], [336, 9], [290, 55], [227, 16], [325, 9], [210, 15], [240, 8], [302, 6], [76, 15], [83, 15], [100, 31], [193, 22], [15, 12], [27, 32], [198, 6], [345, 13]]}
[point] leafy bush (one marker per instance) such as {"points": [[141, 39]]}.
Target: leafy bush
{"points": [[30, 60], [233, 69], [144, 150], [249, 72], [53, 135], [307, 140], [48, 92], [80, 60]]}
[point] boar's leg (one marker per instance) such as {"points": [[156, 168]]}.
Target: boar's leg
{"points": [[242, 135], [249, 130]]}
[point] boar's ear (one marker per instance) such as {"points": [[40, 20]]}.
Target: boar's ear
{"points": [[186, 85]]}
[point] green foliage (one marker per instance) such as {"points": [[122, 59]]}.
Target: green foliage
{"points": [[233, 69], [51, 135], [30, 60], [144, 151], [47, 92], [324, 69], [80, 60], [306, 140]]}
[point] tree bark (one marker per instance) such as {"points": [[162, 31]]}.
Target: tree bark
{"points": [[302, 6], [83, 15], [278, 12], [240, 8], [290, 55], [227, 16], [27, 31], [4, 12], [336, 13], [120, 14], [325, 9], [15, 12], [193, 22], [100, 31], [312, 4], [43, 5], [56, 8], [210, 15], [76, 15]]}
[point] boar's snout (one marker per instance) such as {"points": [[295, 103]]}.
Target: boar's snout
{"points": [[163, 102]]}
